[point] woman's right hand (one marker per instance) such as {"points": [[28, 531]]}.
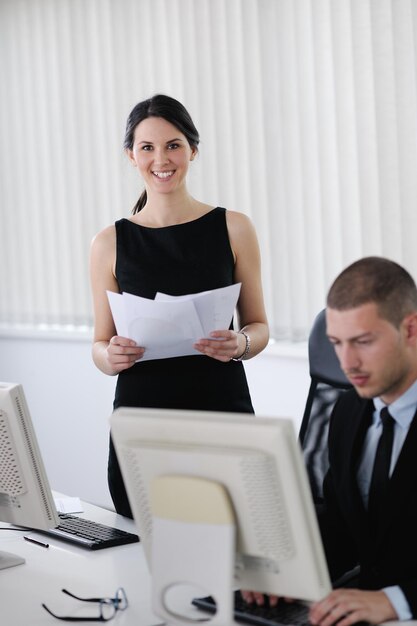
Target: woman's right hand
{"points": [[122, 353]]}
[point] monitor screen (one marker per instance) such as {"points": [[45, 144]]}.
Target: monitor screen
{"points": [[25, 496], [258, 462]]}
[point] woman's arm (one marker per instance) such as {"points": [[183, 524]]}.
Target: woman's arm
{"points": [[111, 353], [250, 307]]}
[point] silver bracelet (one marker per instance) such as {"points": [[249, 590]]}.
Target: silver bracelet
{"points": [[247, 347]]}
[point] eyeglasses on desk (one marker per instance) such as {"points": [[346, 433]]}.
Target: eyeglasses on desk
{"points": [[107, 607]]}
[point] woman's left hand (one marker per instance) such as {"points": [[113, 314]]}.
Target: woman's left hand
{"points": [[223, 345]]}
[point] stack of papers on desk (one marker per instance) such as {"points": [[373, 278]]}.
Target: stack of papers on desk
{"points": [[168, 326]]}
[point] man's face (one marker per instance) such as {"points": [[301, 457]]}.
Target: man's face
{"points": [[377, 358]]}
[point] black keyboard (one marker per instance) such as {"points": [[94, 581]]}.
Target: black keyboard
{"points": [[284, 613], [89, 534]]}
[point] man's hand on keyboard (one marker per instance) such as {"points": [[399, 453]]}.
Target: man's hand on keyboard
{"points": [[347, 606], [259, 598]]}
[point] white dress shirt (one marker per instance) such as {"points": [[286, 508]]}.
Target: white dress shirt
{"points": [[402, 410]]}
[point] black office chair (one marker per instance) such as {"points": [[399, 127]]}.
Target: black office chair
{"points": [[328, 382]]}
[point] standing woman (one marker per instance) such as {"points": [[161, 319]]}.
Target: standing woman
{"points": [[177, 245]]}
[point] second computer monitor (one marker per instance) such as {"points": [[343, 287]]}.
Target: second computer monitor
{"points": [[259, 464]]}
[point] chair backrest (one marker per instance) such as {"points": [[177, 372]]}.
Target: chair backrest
{"points": [[328, 382]]}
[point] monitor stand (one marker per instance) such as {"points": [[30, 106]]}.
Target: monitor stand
{"points": [[7, 559], [194, 543]]}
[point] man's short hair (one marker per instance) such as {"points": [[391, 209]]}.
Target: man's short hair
{"points": [[378, 280]]}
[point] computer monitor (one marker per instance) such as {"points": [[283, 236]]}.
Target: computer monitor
{"points": [[25, 496], [258, 463]]}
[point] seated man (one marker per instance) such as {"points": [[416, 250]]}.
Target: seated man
{"points": [[370, 490]]}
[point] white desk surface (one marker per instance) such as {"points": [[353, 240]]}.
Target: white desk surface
{"points": [[85, 573]]}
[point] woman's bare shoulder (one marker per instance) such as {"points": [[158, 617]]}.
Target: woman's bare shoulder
{"points": [[103, 248], [238, 223], [105, 237]]}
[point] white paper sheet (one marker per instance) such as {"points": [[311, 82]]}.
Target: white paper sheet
{"points": [[213, 307], [67, 504], [169, 325]]}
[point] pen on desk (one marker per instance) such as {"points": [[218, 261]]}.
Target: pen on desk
{"points": [[38, 543]]}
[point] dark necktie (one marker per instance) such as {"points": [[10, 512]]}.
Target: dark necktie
{"points": [[380, 472]]}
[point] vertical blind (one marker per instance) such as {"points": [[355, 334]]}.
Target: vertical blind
{"points": [[307, 111]]}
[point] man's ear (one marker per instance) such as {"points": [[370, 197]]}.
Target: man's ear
{"points": [[410, 327]]}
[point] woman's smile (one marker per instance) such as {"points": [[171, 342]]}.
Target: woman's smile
{"points": [[164, 175]]}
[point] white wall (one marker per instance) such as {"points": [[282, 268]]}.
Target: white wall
{"points": [[71, 401], [307, 112]]}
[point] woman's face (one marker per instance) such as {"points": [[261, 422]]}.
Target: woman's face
{"points": [[162, 155]]}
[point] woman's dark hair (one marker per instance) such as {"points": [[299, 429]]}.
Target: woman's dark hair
{"points": [[170, 110]]}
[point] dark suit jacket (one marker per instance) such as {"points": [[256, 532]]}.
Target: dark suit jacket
{"points": [[387, 553]]}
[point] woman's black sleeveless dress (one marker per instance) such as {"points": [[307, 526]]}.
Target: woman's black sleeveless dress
{"points": [[177, 260]]}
